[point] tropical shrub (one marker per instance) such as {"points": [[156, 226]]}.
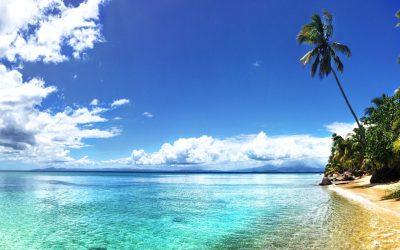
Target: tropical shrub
{"points": [[380, 155]]}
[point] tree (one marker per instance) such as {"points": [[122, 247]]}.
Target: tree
{"points": [[383, 120], [381, 153], [318, 33], [377, 102], [346, 155]]}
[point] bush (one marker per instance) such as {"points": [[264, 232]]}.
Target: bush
{"points": [[393, 194], [385, 175], [375, 148]]}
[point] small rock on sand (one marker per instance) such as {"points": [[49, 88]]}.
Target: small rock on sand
{"points": [[325, 181]]}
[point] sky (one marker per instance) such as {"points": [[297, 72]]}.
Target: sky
{"points": [[181, 84]]}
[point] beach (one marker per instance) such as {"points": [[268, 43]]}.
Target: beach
{"points": [[370, 195], [376, 208]]}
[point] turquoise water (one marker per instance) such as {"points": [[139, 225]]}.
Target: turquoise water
{"points": [[166, 211]]}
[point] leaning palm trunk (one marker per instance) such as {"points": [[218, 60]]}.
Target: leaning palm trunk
{"points": [[325, 56], [360, 127], [347, 100]]}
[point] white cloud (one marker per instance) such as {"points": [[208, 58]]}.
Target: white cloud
{"points": [[94, 102], [242, 151], [74, 76], [119, 102], [147, 114], [45, 30], [341, 128], [30, 134], [33, 30], [256, 64], [48, 31], [234, 153]]}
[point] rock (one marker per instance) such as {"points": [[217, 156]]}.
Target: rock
{"points": [[358, 173], [348, 176], [339, 178], [335, 177], [325, 181], [385, 175]]}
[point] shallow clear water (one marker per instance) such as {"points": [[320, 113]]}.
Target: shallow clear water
{"points": [[183, 211]]}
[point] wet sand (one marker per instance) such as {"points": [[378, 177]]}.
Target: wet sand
{"points": [[370, 195], [378, 226]]}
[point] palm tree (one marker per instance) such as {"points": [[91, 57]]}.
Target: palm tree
{"points": [[318, 33], [376, 103]]}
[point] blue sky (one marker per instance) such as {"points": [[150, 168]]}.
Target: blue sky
{"points": [[215, 68]]}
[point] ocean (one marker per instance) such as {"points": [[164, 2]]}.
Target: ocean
{"points": [[66, 210]]}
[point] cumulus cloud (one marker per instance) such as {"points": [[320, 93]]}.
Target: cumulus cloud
{"points": [[234, 153], [94, 102], [288, 148], [245, 150], [51, 31], [33, 30], [31, 134], [147, 114], [15, 137], [48, 31], [341, 128], [119, 102]]}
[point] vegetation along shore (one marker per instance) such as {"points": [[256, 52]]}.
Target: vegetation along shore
{"points": [[364, 165]]}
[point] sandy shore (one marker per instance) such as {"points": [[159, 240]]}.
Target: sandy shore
{"points": [[370, 195]]}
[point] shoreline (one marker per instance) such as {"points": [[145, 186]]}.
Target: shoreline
{"points": [[369, 195]]}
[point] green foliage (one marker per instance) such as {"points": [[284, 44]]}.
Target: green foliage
{"points": [[375, 144], [393, 194], [318, 33], [346, 154], [325, 54], [383, 130], [396, 146], [382, 123]]}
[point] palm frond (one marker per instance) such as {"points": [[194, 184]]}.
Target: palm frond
{"points": [[336, 59], [309, 34], [325, 64], [378, 101], [306, 35], [317, 23], [339, 64], [314, 66], [368, 111], [341, 48], [309, 55], [328, 27], [312, 33]]}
